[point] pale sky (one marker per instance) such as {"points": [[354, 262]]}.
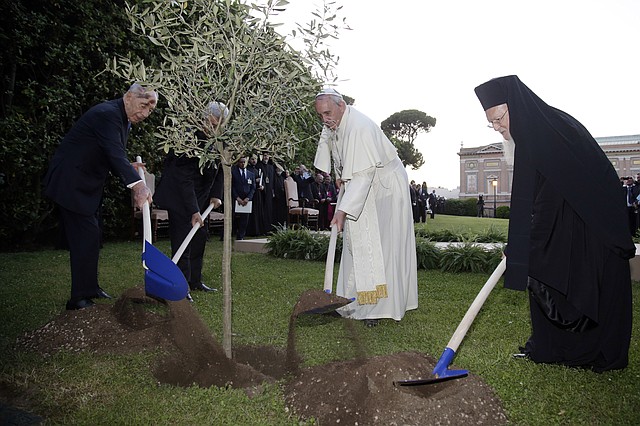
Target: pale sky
{"points": [[581, 56]]}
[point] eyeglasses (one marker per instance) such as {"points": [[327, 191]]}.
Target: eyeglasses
{"points": [[492, 124]]}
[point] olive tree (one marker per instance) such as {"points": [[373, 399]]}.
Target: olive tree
{"points": [[230, 52]]}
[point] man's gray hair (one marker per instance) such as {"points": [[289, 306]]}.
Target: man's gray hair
{"points": [[139, 91]]}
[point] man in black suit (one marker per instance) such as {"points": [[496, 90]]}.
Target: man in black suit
{"points": [[95, 146], [185, 191], [433, 201], [320, 200], [303, 180], [631, 192], [243, 186]]}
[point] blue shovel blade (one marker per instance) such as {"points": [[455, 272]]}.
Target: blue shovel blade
{"points": [[163, 278], [440, 373]]}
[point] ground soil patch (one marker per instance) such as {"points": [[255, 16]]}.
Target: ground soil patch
{"points": [[359, 391]]}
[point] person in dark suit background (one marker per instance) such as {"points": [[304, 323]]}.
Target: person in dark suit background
{"points": [[303, 180], [320, 200], [433, 203], [243, 186], [185, 191], [631, 192], [268, 173], [255, 225], [95, 146]]}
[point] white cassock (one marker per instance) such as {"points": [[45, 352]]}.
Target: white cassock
{"points": [[378, 266]]}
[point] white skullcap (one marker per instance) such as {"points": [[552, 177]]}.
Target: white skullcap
{"points": [[218, 109], [329, 91]]}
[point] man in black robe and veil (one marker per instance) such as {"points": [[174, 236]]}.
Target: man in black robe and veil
{"points": [[572, 254]]}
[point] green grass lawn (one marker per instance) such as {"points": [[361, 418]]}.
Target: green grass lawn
{"points": [[70, 388]]}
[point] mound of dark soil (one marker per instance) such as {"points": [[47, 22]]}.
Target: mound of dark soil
{"points": [[359, 391]]}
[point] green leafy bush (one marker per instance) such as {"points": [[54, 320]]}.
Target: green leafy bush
{"points": [[461, 207], [443, 235], [502, 212], [300, 243], [491, 235], [428, 255], [466, 257]]}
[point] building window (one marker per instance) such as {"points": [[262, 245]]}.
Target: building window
{"points": [[472, 183]]}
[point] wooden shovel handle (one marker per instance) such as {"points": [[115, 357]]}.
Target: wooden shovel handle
{"points": [[146, 212], [190, 235], [331, 255], [476, 305]]}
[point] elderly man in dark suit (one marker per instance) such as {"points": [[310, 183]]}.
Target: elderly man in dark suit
{"points": [[243, 186], [185, 191], [95, 146]]}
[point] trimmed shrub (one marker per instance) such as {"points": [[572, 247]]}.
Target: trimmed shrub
{"points": [[457, 207], [502, 212]]}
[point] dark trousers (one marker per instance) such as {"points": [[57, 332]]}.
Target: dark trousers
{"points": [[633, 220], [83, 238], [241, 221], [190, 263]]}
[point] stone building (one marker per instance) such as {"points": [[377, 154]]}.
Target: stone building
{"points": [[484, 171]]}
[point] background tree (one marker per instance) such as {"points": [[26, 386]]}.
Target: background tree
{"points": [[403, 128], [227, 51]]}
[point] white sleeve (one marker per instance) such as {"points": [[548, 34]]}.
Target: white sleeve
{"points": [[356, 192]]}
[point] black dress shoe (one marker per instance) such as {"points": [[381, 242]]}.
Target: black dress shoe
{"points": [[79, 304], [101, 294], [371, 322], [202, 287]]}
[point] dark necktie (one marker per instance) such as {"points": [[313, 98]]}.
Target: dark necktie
{"points": [[629, 197]]}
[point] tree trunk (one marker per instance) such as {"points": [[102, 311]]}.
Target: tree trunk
{"points": [[226, 258]]}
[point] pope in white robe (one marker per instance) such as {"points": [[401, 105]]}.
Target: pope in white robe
{"points": [[378, 267]]}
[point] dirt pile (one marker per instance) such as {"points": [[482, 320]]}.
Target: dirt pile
{"points": [[359, 391]]}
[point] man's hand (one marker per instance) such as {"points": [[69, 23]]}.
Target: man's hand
{"points": [[338, 219], [141, 193], [338, 183], [196, 218], [217, 202], [137, 166]]}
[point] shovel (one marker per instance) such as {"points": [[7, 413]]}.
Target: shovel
{"points": [[162, 277], [441, 372], [325, 302], [187, 240]]}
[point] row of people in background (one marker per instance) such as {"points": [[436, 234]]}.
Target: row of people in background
{"points": [[422, 201], [318, 191], [261, 183], [631, 189]]}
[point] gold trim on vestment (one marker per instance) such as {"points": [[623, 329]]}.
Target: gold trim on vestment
{"points": [[371, 297]]}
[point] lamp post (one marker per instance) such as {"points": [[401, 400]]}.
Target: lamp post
{"points": [[494, 183]]}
